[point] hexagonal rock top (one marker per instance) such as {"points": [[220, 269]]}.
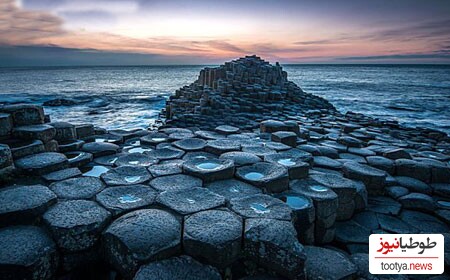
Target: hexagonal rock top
{"points": [[121, 199], [126, 175], [373, 178], [139, 237], [232, 188], [268, 176], [209, 170], [213, 236], [42, 163], [76, 224], [175, 182], [274, 245], [188, 201], [135, 159], [166, 153], [190, 144], [324, 263], [99, 149], [261, 206], [177, 268], [22, 204], [77, 188], [241, 158], [27, 252]]}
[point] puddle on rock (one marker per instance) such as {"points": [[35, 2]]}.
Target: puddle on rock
{"points": [[208, 165], [286, 162], [158, 139], [96, 171], [191, 201], [134, 162], [73, 157], [295, 202], [138, 150], [129, 198], [443, 204], [259, 208], [234, 189], [113, 160], [318, 188], [132, 179], [253, 176]]}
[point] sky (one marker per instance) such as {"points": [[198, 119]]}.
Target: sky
{"points": [[130, 32]]}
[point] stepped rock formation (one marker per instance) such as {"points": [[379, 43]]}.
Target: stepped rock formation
{"points": [[242, 93]]}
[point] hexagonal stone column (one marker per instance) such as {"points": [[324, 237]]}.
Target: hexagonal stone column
{"points": [[273, 244], [373, 178], [232, 188], [64, 131], [272, 178], [122, 199], [209, 170], [261, 206], [99, 149], [135, 159], [27, 252], [23, 204], [190, 144], [139, 237], [166, 153], [188, 201], [25, 114], [286, 137], [39, 164], [6, 124], [126, 175], [177, 268], [6, 159], [76, 224], [325, 204], [213, 236], [296, 165], [43, 132], [77, 188], [221, 146], [241, 158]]}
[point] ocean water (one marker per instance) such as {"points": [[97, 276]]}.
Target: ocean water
{"points": [[131, 97]]}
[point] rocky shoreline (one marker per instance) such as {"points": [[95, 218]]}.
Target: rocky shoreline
{"points": [[249, 178]]}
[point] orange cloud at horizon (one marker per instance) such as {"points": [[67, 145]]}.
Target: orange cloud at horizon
{"points": [[209, 38]]}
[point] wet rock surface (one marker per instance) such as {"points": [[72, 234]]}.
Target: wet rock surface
{"points": [[317, 177]]}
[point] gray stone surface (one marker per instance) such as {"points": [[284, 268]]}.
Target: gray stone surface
{"points": [[166, 153], [192, 200], [99, 149], [43, 132], [417, 201], [209, 170], [42, 163], [122, 199], [23, 204], [413, 185], [76, 224], [272, 178], [214, 237], [77, 188], [62, 174], [232, 188], [25, 114], [139, 237], [373, 178], [324, 263], [241, 158], [261, 206], [167, 168], [27, 252], [177, 268], [126, 175], [135, 159], [175, 182], [6, 159], [190, 144]]}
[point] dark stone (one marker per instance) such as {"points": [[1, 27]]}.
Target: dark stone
{"points": [[135, 159], [25, 114], [78, 158], [397, 153], [441, 189], [232, 188], [6, 124], [286, 137], [417, 201], [43, 132], [84, 130], [6, 159], [270, 177], [167, 168], [221, 146], [198, 155], [190, 144], [77, 188], [126, 175], [351, 232], [296, 165], [384, 205], [62, 174], [64, 131], [425, 223], [27, 252], [413, 185], [70, 145], [395, 225], [241, 158], [396, 191], [209, 170], [214, 237], [227, 129], [273, 244], [175, 182], [260, 151], [381, 163], [373, 178], [76, 224], [414, 169], [122, 199], [166, 153], [261, 206], [324, 263], [177, 268], [139, 237], [25, 148], [153, 139], [188, 201], [99, 149], [24, 204], [326, 162]]}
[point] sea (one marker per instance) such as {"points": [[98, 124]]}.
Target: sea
{"points": [[132, 96]]}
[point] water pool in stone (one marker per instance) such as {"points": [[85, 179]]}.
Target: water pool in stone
{"points": [[135, 143], [295, 202], [134, 162], [113, 160], [234, 189], [132, 179], [318, 188], [156, 139], [77, 156], [444, 204], [208, 165], [103, 140], [253, 176], [259, 208], [138, 150], [129, 198], [191, 201], [286, 162], [96, 171]]}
